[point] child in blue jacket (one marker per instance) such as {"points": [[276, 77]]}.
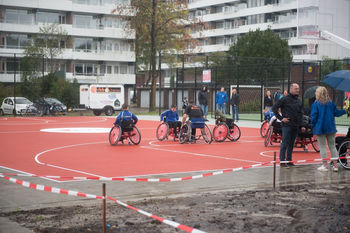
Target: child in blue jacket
{"points": [[172, 119], [125, 118]]}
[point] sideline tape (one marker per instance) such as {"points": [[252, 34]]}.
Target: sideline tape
{"points": [[219, 172], [80, 194]]}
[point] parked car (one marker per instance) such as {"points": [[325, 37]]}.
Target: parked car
{"points": [[23, 106], [50, 106]]}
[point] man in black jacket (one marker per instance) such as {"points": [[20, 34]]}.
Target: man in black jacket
{"points": [[235, 103], [203, 100], [291, 118]]}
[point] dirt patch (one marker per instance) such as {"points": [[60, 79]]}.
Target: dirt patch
{"points": [[304, 208]]}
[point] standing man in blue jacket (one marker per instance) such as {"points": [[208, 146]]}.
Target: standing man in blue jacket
{"points": [[221, 100], [172, 119]]}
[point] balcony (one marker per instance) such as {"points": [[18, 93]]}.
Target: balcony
{"points": [[105, 79]]}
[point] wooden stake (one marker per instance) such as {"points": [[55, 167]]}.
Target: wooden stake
{"points": [[274, 171], [104, 208]]}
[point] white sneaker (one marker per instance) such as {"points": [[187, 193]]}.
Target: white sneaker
{"points": [[335, 169], [322, 169]]}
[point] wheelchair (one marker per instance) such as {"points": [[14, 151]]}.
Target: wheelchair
{"points": [[164, 132], [304, 138], [264, 127], [225, 128], [186, 132], [127, 131], [343, 147]]}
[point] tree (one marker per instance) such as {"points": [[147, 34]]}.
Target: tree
{"points": [[48, 44], [159, 26], [264, 49]]}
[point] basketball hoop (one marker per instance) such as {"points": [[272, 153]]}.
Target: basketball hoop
{"points": [[311, 47]]}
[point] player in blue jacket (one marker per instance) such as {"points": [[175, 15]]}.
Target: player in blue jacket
{"points": [[172, 119], [125, 118]]}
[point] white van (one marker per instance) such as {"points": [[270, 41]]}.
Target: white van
{"points": [[102, 98]]}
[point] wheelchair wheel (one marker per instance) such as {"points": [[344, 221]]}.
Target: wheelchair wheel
{"points": [[135, 136], [185, 132], [344, 151], [234, 133], [162, 131], [314, 144], [114, 135], [268, 136], [220, 132], [206, 134], [263, 129]]}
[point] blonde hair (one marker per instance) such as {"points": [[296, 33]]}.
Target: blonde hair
{"points": [[322, 95]]}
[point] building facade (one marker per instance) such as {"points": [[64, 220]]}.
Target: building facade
{"points": [[100, 49], [298, 21]]}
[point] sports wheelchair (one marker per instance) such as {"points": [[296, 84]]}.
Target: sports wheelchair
{"points": [[127, 131], [304, 137], [343, 147], [264, 127], [225, 128], [186, 132], [164, 131]]}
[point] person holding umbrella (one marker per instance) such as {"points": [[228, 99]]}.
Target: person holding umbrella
{"points": [[323, 111]]}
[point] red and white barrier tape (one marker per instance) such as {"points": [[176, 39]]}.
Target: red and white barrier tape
{"points": [[219, 172], [80, 194]]}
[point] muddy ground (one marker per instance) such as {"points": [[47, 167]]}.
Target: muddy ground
{"points": [[303, 208]]}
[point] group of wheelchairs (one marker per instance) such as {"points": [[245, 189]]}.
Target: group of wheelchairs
{"points": [[224, 129], [272, 134]]}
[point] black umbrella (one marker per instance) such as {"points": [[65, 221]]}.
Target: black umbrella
{"points": [[310, 92]]}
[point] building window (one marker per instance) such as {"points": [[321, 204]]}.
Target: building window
{"points": [[116, 69], [85, 21], [48, 17], [19, 41], [109, 69], [84, 69], [84, 45], [18, 16], [123, 69]]}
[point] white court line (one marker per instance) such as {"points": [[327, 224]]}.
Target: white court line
{"points": [[198, 154], [64, 168]]}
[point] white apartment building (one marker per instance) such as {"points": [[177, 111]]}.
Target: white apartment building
{"points": [[297, 21], [100, 51]]}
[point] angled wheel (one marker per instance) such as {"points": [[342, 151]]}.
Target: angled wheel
{"points": [[314, 144], [234, 133], [206, 134], [268, 137], [184, 134], [220, 132], [263, 129], [344, 154], [162, 131], [114, 135], [135, 136]]}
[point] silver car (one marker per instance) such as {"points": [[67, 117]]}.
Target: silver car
{"points": [[21, 106]]}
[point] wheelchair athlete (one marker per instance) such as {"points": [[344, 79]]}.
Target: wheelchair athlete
{"points": [[126, 120], [196, 117], [172, 119]]}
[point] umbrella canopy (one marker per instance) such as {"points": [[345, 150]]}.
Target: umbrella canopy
{"points": [[339, 80], [310, 92]]}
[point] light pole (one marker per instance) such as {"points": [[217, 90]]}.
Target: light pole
{"points": [[160, 81]]}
